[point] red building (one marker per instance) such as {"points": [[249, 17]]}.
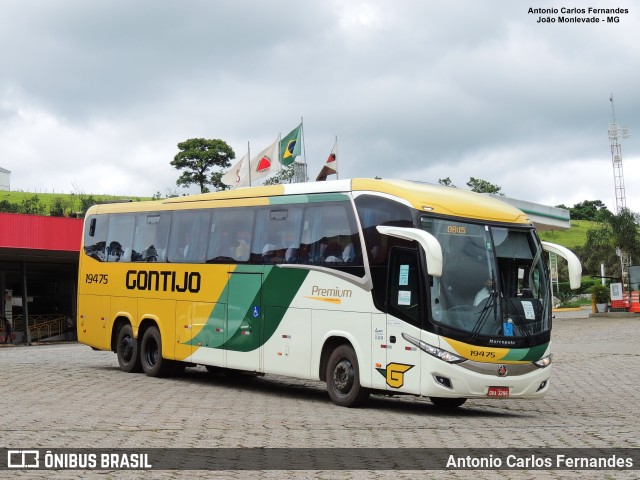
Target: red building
{"points": [[38, 273]]}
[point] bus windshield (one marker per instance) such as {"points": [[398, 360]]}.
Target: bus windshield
{"points": [[494, 281]]}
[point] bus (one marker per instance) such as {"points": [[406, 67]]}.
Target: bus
{"points": [[383, 286]]}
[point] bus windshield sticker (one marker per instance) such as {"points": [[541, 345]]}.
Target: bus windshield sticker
{"points": [[529, 313], [404, 297], [404, 275]]}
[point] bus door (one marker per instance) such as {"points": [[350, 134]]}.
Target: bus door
{"points": [[244, 329], [403, 319]]}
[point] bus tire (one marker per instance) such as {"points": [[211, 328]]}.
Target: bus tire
{"points": [[447, 403], [343, 378], [151, 354], [127, 350]]}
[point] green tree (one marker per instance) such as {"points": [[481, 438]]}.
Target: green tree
{"points": [[86, 201], [197, 157], [619, 230], [593, 210], [32, 205], [483, 186], [286, 175], [8, 207], [446, 182], [625, 232], [58, 207]]}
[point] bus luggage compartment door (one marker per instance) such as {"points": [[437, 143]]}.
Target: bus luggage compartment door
{"points": [[243, 332]]}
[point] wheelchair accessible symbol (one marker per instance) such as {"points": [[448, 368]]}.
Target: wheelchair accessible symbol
{"points": [[256, 312]]}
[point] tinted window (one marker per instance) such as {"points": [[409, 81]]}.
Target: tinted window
{"points": [[95, 236], [230, 238], [151, 237], [330, 236], [374, 211], [189, 236], [404, 287], [277, 235], [120, 237]]}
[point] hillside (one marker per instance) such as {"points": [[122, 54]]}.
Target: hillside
{"points": [[70, 202], [576, 236]]}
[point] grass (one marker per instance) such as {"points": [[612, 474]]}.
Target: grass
{"points": [[70, 199], [576, 236]]}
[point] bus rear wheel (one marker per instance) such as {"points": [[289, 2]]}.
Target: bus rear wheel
{"points": [[445, 403], [127, 350], [343, 378], [151, 354]]}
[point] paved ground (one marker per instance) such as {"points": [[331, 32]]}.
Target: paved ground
{"points": [[67, 395]]}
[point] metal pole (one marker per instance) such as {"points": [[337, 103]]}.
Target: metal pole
{"points": [[25, 304]]}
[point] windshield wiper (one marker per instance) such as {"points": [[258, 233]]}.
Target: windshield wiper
{"points": [[484, 314]]}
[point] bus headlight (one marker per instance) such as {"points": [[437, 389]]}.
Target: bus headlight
{"points": [[443, 355], [544, 362]]}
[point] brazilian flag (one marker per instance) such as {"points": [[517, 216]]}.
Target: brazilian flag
{"points": [[290, 146]]}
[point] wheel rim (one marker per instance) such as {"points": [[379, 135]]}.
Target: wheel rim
{"points": [[151, 352], [343, 376], [126, 348]]}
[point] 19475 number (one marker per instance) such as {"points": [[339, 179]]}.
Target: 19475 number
{"points": [[97, 278], [482, 353]]}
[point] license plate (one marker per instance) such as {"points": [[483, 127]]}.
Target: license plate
{"points": [[501, 392]]}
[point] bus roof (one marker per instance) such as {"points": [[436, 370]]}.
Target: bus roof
{"points": [[421, 196]]}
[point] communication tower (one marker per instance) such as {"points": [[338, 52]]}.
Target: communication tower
{"points": [[616, 133]]}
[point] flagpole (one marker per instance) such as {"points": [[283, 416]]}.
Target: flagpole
{"points": [[335, 151], [279, 151], [249, 161], [304, 150]]}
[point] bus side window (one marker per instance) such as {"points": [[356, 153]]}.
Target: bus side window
{"points": [[189, 236], [120, 237], [95, 237], [330, 236], [230, 237], [277, 235], [404, 285], [151, 237]]}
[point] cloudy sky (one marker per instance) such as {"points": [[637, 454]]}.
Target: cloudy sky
{"points": [[95, 95]]}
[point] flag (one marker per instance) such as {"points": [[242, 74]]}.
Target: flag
{"points": [[238, 175], [290, 146], [330, 166], [264, 164]]}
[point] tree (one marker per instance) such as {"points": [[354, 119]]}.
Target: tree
{"points": [[589, 210], [446, 182], [482, 186], [197, 157], [285, 175], [32, 205], [58, 208], [619, 230], [6, 206], [624, 226]]}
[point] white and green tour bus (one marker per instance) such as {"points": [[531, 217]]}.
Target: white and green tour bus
{"points": [[368, 285]]}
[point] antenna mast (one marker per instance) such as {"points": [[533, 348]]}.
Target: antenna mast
{"points": [[617, 133]]}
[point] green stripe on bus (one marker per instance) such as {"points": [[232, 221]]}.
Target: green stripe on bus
{"points": [[526, 354], [314, 198], [279, 288]]}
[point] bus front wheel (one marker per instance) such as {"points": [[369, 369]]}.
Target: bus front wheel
{"points": [[151, 354], [127, 350], [343, 378]]}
